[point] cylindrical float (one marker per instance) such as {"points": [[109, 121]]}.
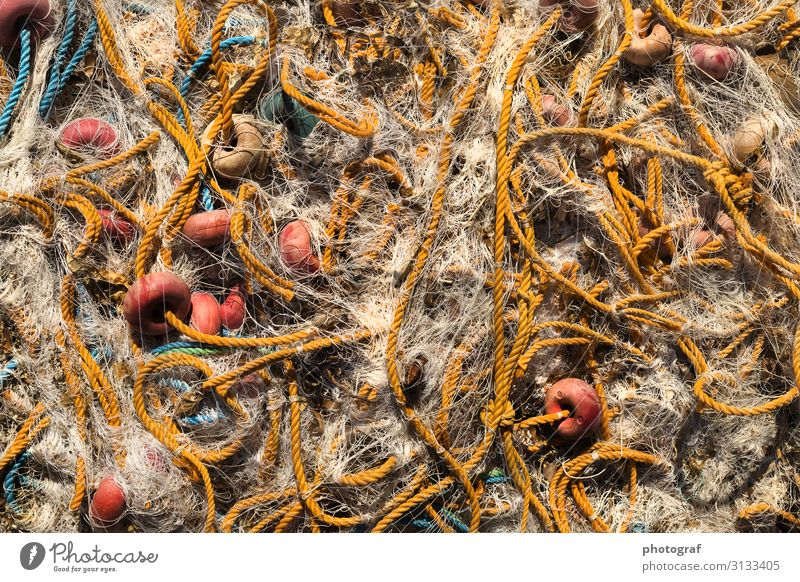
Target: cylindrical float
{"points": [[208, 229], [296, 249], [205, 314]]}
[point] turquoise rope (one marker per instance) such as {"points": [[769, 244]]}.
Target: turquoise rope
{"points": [[198, 348], [58, 80], [457, 524], [54, 83], [9, 482], [139, 8], [8, 371], [19, 84], [84, 48], [208, 416], [202, 61], [205, 197]]}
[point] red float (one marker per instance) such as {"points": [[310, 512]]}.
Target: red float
{"points": [[232, 311], [205, 314], [108, 502], [208, 229], [150, 297], [249, 387], [295, 247], [92, 136], [16, 14], [581, 400], [116, 228]]}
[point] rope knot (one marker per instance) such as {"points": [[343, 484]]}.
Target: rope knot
{"points": [[738, 186]]}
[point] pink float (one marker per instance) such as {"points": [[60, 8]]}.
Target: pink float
{"points": [[715, 61], [555, 112], [577, 15]]}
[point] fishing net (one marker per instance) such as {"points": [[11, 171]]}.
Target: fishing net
{"points": [[378, 234]]}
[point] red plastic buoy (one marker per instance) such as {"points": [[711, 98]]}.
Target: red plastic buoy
{"points": [[208, 229], [581, 400], [701, 238], [715, 61], [577, 15], [18, 14], [555, 112], [295, 247], [205, 314], [92, 136], [347, 14], [232, 311], [249, 387], [153, 295], [644, 228], [108, 502], [115, 228], [154, 458]]}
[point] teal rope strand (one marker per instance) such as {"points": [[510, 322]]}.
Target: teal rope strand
{"points": [[19, 84], [86, 45], [54, 84], [45, 105]]}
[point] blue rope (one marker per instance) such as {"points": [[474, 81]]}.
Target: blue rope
{"points": [[8, 371], [209, 416], [203, 60], [139, 8], [458, 525], [86, 45], [54, 83], [205, 197], [11, 477], [19, 83], [179, 385]]}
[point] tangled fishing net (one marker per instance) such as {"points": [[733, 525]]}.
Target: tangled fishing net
{"points": [[300, 266]]}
